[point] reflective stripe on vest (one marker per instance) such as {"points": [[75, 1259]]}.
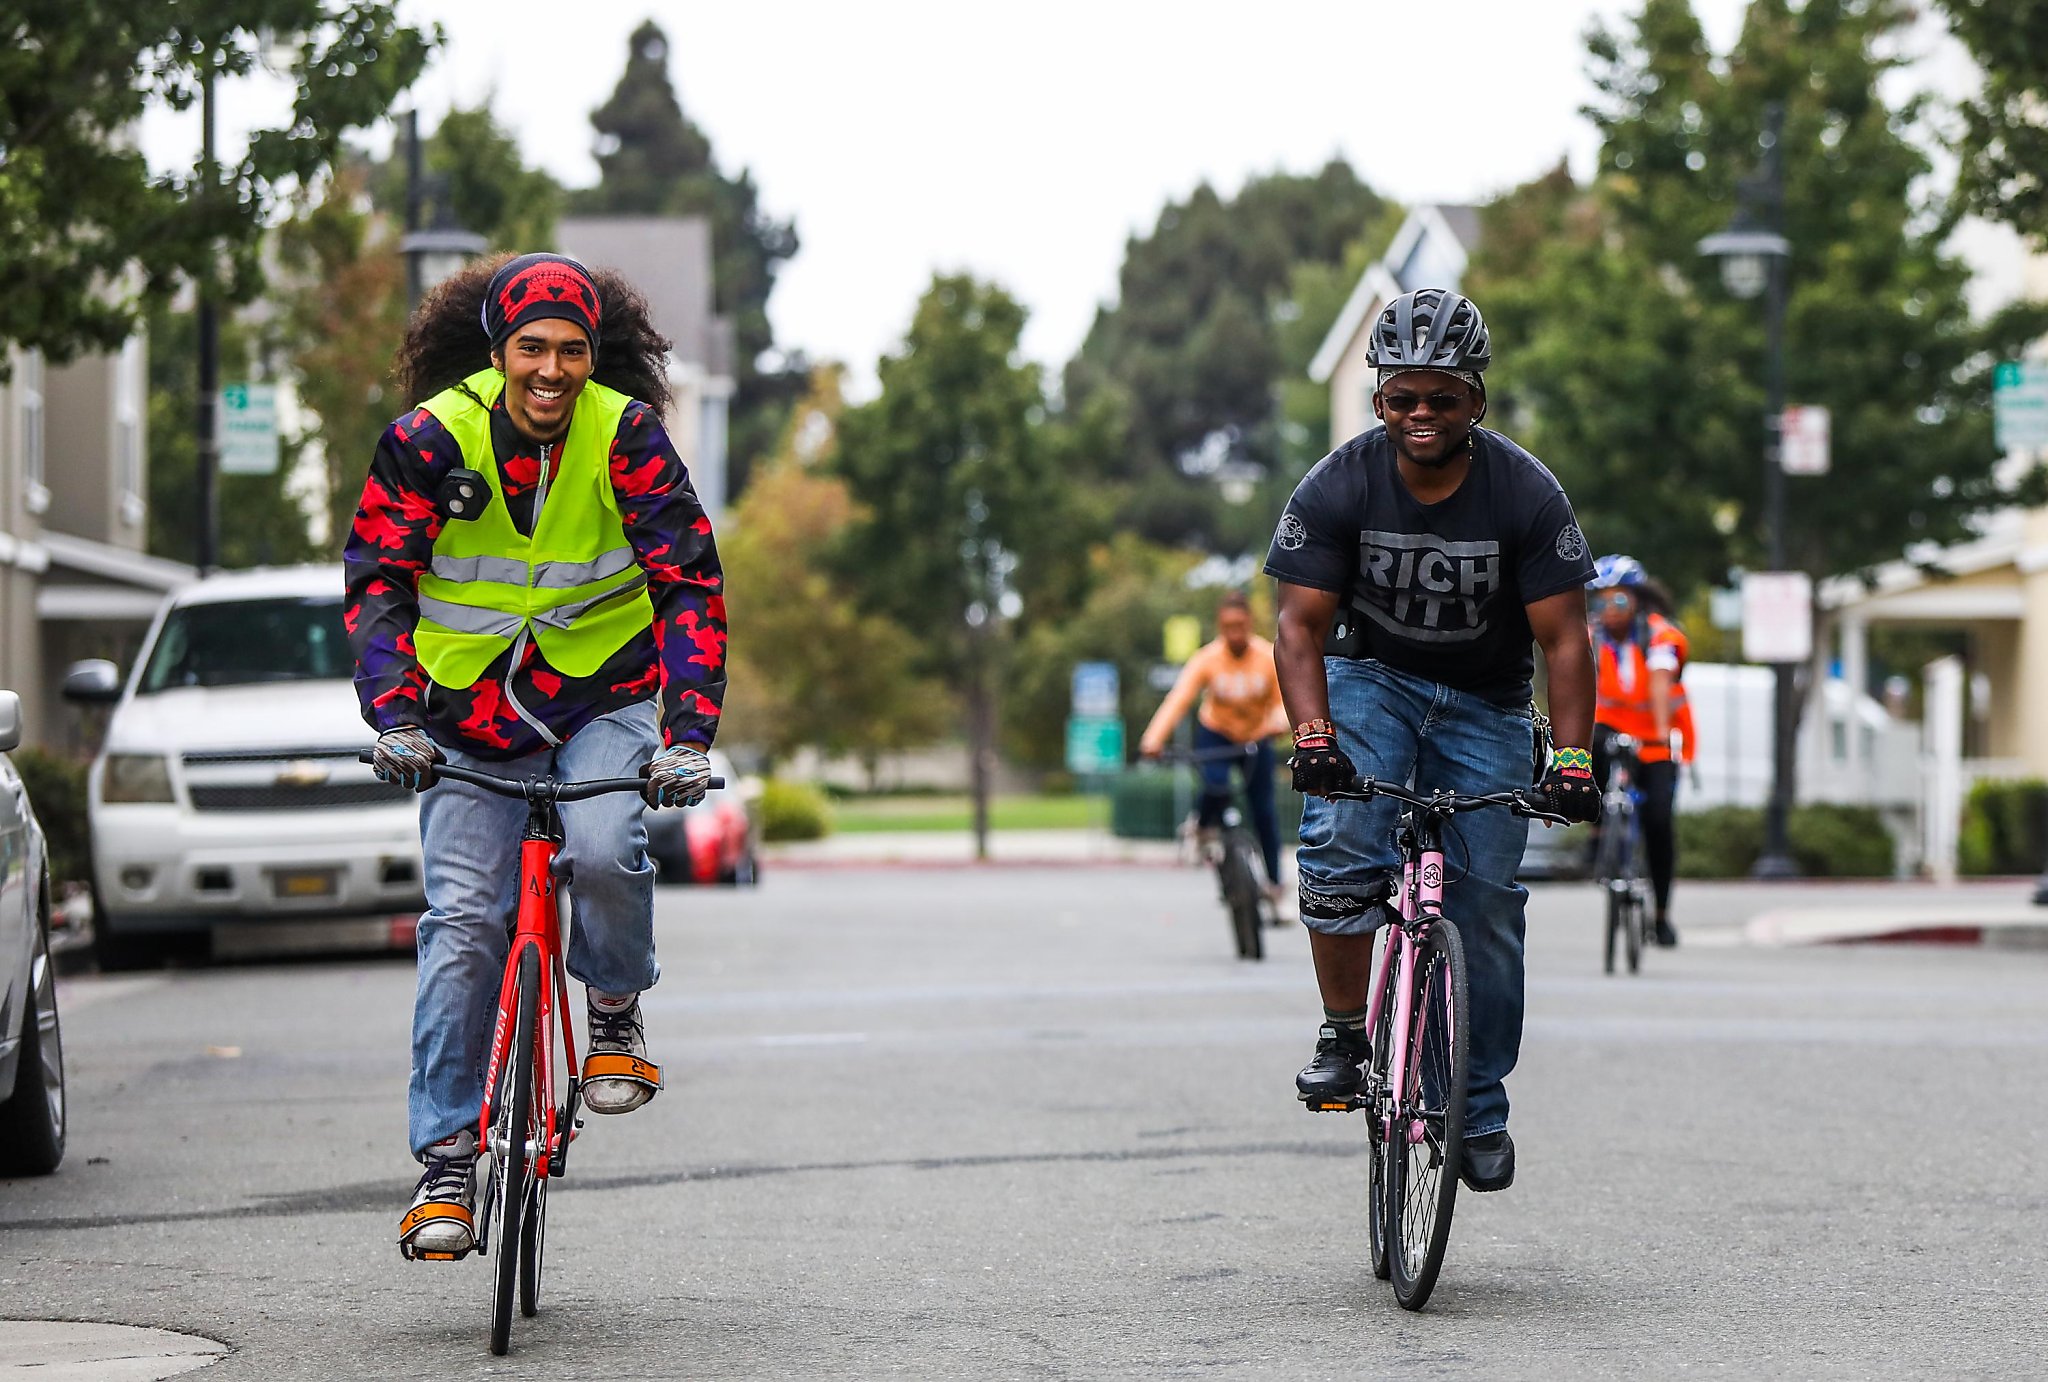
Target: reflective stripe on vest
{"points": [[573, 585]]}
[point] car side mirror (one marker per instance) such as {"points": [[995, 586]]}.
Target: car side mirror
{"points": [[10, 722], [94, 681]]}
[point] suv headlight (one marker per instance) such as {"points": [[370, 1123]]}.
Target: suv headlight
{"points": [[137, 777]]}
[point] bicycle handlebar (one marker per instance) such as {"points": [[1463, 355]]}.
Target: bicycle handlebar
{"points": [[1446, 803], [523, 787], [1206, 755]]}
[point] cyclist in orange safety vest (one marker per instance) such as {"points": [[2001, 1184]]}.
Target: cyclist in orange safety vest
{"points": [[1639, 656]]}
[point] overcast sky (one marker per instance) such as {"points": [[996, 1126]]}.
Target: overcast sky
{"points": [[1024, 143]]}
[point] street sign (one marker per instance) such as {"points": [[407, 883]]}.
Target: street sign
{"points": [[1095, 745], [1161, 676], [2019, 405], [1777, 616], [1724, 609], [1095, 689], [1183, 637], [1803, 440], [248, 429]]}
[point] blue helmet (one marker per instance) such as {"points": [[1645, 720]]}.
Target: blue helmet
{"points": [[1615, 569]]}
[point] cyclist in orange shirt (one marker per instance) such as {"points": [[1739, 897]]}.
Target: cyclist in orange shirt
{"points": [[1640, 657], [1240, 691]]}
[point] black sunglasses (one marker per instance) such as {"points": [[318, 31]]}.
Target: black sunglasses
{"points": [[1438, 402]]}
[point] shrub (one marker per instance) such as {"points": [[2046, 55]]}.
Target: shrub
{"points": [[793, 811], [56, 789], [2004, 827], [1141, 804], [1827, 840]]}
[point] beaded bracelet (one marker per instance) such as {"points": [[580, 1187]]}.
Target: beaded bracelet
{"points": [[1314, 727], [1571, 760]]}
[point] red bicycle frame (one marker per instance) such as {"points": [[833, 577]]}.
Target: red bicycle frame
{"points": [[539, 927]]}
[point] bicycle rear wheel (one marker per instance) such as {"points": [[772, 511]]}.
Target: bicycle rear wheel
{"points": [[1426, 1153], [511, 1126], [1241, 896], [1636, 914], [1617, 918]]}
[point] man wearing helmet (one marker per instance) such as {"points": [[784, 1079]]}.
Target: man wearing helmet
{"points": [[1640, 657], [1417, 564]]}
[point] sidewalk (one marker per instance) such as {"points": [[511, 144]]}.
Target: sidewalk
{"points": [[1821, 912], [955, 849]]}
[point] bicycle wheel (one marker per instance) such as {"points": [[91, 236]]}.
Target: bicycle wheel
{"points": [[511, 1125], [1632, 928], [533, 1229], [1616, 919], [1241, 897], [1379, 1115], [1427, 1150]]}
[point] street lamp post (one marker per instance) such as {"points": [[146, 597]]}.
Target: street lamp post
{"points": [[1754, 258], [437, 252], [208, 535]]}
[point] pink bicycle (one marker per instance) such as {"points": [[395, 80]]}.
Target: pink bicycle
{"points": [[1420, 1034]]}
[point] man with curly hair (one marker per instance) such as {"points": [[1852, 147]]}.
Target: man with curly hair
{"points": [[533, 471]]}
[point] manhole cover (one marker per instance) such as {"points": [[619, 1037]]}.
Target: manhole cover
{"points": [[62, 1351]]}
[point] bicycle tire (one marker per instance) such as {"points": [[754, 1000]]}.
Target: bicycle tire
{"points": [[1634, 930], [1422, 1177], [511, 1112], [1379, 1117], [1241, 897], [533, 1229], [1615, 920]]}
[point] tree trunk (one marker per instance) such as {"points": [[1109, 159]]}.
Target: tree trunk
{"points": [[980, 732]]}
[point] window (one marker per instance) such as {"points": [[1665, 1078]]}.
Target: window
{"points": [[28, 383], [246, 642], [128, 404]]}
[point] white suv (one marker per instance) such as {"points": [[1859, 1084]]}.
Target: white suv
{"points": [[228, 802]]}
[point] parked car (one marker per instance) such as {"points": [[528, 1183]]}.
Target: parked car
{"points": [[715, 841], [31, 1040], [227, 804]]}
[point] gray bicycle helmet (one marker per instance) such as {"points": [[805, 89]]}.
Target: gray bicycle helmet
{"points": [[1430, 329]]}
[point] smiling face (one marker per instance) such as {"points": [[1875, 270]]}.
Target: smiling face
{"points": [[1429, 414], [546, 363]]}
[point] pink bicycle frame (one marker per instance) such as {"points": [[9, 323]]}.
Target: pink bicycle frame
{"points": [[1421, 899]]}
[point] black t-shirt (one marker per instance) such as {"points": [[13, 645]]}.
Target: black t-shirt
{"points": [[1434, 590]]}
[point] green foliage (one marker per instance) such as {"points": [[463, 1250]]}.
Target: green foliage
{"points": [[957, 476], [343, 315], [1134, 588], [1828, 841], [80, 211], [810, 665], [2004, 141], [653, 160], [1211, 318], [1625, 363], [261, 524], [56, 789], [793, 811], [2004, 827]]}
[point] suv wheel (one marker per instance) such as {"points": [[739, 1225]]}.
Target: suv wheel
{"points": [[32, 1119]]}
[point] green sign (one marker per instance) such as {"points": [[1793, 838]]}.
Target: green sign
{"points": [[248, 429], [2019, 405], [1095, 745]]}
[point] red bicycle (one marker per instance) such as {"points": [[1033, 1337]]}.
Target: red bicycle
{"points": [[524, 1127]]}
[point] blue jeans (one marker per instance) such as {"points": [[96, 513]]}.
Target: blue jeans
{"points": [[1429, 736], [1258, 790], [472, 840]]}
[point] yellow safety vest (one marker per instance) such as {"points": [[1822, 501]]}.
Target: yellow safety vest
{"points": [[574, 587]]}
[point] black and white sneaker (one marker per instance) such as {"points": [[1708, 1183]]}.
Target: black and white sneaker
{"points": [[617, 1076], [1337, 1069], [440, 1226]]}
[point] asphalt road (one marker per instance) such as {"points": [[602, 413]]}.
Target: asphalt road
{"points": [[1036, 1124]]}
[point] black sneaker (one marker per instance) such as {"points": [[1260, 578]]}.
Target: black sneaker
{"points": [[1489, 1161], [1666, 937], [1339, 1065]]}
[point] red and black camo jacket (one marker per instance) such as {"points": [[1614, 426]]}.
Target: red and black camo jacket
{"points": [[681, 656]]}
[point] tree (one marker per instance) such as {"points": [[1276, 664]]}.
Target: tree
{"points": [[957, 476], [343, 315], [261, 522], [476, 174], [2004, 137], [88, 236], [1641, 381], [1192, 346], [810, 666], [653, 160]]}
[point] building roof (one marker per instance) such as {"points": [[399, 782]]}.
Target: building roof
{"points": [[1430, 250], [669, 259]]}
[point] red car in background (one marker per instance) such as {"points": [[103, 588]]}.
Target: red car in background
{"points": [[715, 841]]}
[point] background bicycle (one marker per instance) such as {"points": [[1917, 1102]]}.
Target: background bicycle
{"points": [[1618, 858], [1233, 851]]}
